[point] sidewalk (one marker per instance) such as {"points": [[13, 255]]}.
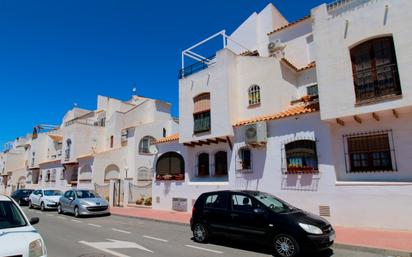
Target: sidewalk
{"points": [[370, 238]]}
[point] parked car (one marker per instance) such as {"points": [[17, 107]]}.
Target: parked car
{"points": [[21, 196], [17, 235], [46, 199], [261, 217], [82, 202]]}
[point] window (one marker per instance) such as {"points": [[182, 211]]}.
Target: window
{"points": [[10, 216], [53, 175], [254, 95], [221, 163], [201, 113], [164, 132], [123, 139], [111, 141], [215, 201], [170, 166], [68, 146], [244, 159], [375, 70], [147, 146], [312, 90], [369, 153], [301, 156], [242, 203], [48, 176], [33, 159], [203, 164]]}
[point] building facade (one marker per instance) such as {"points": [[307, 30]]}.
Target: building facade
{"points": [[315, 111]]}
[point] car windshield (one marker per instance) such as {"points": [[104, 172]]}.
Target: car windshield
{"points": [[10, 216], [85, 194], [52, 192], [26, 192], [273, 203]]}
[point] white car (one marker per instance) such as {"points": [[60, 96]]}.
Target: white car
{"points": [[17, 235], [45, 199]]}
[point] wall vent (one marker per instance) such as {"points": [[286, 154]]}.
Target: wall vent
{"points": [[324, 210]]}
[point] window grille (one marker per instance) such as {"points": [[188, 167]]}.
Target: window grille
{"points": [[375, 70], [369, 152], [254, 95]]}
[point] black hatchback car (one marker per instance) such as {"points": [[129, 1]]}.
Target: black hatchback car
{"points": [[22, 196], [262, 217]]}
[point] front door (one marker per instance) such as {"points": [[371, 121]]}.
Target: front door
{"points": [[243, 218]]}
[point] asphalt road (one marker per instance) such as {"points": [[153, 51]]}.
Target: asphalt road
{"points": [[67, 236]]}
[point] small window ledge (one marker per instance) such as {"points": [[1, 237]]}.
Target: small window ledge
{"points": [[371, 183], [208, 183], [251, 106], [378, 100]]}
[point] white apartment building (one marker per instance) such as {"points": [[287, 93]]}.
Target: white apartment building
{"points": [[92, 147], [315, 111]]}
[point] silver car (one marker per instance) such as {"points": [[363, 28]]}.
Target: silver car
{"points": [[82, 202]]}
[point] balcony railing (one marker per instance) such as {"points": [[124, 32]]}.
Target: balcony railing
{"points": [[374, 84], [196, 67], [100, 123], [343, 5]]}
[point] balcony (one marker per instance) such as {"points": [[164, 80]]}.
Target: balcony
{"points": [[196, 67], [373, 85], [341, 6]]}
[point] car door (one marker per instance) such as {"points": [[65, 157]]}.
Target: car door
{"points": [[71, 202], [247, 218], [215, 212], [35, 197], [63, 200]]}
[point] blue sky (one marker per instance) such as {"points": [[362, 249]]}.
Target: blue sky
{"points": [[57, 53]]}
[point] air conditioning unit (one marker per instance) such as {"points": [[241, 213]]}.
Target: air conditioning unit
{"points": [[276, 46], [256, 134]]}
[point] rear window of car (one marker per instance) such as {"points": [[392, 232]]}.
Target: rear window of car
{"points": [[10, 216], [215, 201]]}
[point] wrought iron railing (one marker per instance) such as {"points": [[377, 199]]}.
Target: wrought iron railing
{"points": [[196, 67], [342, 5], [376, 83]]}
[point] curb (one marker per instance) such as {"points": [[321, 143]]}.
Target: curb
{"points": [[152, 219], [386, 252]]}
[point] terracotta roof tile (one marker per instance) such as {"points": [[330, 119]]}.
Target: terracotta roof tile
{"points": [[290, 24], [250, 53], [173, 137], [293, 67], [292, 111]]}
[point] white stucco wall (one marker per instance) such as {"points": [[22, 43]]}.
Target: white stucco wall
{"points": [[334, 69]]}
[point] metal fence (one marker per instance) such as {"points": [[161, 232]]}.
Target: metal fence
{"points": [[102, 190], [140, 194]]}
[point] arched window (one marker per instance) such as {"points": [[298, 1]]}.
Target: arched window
{"points": [[254, 95], [201, 113], [111, 172], [375, 70], [301, 156], [170, 166], [147, 146], [53, 175], [244, 159], [111, 141], [203, 164], [221, 163]]}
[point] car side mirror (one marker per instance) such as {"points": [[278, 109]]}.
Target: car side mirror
{"points": [[259, 211], [71, 198], [41, 195], [34, 220]]}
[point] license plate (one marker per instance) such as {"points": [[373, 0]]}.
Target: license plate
{"points": [[332, 237]]}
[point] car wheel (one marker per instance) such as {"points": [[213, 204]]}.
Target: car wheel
{"points": [[42, 207], [59, 209], [286, 246], [30, 205], [200, 233], [76, 212]]}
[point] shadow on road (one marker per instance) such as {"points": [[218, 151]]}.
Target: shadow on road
{"points": [[252, 246]]}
